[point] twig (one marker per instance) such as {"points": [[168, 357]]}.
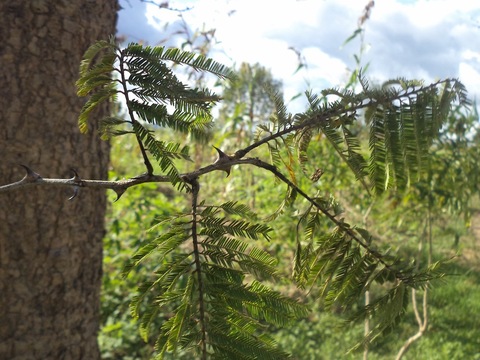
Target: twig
{"points": [[119, 186], [198, 266], [333, 112], [348, 230]]}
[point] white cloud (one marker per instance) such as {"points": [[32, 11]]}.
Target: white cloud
{"points": [[411, 38], [470, 77], [323, 66]]}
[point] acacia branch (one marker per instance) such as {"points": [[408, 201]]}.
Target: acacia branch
{"points": [[224, 164], [348, 230], [340, 110], [119, 186]]}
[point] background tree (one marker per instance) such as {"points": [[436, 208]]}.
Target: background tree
{"points": [[246, 102], [50, 248]]}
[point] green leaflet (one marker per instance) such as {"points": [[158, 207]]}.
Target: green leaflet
{"points": [[96, 79], [343, 264], [103, 95], [280, 117], [216, 227], [390, 308], [205, 286], [403, 125], [178, 56]]}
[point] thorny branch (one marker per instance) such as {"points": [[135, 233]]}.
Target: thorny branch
{"points": [[121, 186], [223, 163], [347, 229]]}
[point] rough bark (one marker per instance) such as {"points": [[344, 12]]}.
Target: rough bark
{"points": [[50, 248]]}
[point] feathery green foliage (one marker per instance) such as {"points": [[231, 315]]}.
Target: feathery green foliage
{"points": [[150, 89], [215, 285], [205, 269]]}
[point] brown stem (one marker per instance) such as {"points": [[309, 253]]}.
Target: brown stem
{"points": [[198, 269], [348, 230]]}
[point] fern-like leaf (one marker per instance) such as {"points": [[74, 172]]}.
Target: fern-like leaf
{"points": [[96, 78]]}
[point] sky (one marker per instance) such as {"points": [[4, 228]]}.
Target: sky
{"points": [[416, 39]]}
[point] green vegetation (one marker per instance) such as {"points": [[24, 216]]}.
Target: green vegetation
{"points": [[361, 196]]}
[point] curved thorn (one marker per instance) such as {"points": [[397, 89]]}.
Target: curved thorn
{"points": [[75, 175], [76, 190], [31, 175], [119, 192], [143, 176], [221, 154], [223, 158]]}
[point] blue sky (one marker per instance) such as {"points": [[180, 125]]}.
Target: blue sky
{"points": [[410, 38]]}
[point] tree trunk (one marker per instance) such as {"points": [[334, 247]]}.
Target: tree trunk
{"points": [[50, 248]]}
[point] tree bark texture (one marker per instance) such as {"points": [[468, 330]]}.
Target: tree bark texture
{"points": [[50, 248]]}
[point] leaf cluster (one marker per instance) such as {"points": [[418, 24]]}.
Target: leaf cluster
{"points": [[214, 279], [215, 285], [154, 96], [405, 119]]}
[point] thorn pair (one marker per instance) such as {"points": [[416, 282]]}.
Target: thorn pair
{"points": [[32, 177]]}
